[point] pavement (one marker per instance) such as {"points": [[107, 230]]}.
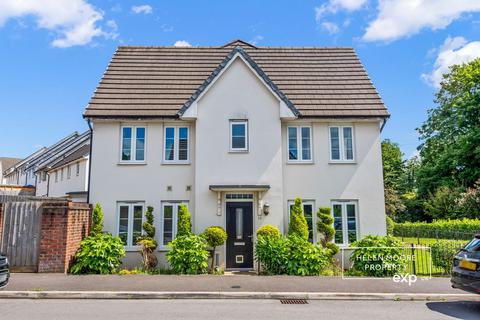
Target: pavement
{"points": [[234, 309], [61, 286]]}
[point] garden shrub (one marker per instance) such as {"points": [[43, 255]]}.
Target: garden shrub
{"points": [[271, 253], [147, 242], [304, 258], [390, 226], [378, 256], [184, 226], [326, 230], [215, 236], [97, 220], [269, 230], [443, 252], [463, 229], [188, 255], [298, 223], [98, 254]]}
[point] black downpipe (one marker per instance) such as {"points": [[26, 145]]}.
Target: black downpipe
{"points": [[90, 161]]}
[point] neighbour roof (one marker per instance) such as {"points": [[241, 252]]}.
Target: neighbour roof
{"points": [[8, 162], [158, 81], [75, 155]]}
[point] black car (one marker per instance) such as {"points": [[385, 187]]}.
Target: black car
{"points": [[4, 273], [466, 267]]}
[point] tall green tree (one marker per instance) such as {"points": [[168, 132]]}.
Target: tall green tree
{"points": [[450, 149], [393, 175], [97, 220]]}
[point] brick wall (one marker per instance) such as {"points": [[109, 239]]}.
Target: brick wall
{"points": [[63, 226]]}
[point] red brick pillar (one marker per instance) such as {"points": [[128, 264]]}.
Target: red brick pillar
{"points": [[63, 225]]}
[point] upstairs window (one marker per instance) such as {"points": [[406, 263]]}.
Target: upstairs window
{"points": [[341, 143], [133, 144], [299, 144], [238, 135], [176, 146]]}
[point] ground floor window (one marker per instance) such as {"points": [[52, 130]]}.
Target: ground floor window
{"points": [[169, 221], [130, 219], [308, 211], [345, 222]]}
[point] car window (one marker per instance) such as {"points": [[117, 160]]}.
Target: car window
{"points": [[473, 245]]}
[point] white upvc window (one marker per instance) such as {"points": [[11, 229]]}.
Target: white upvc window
{"points": [[130, 220], [342, 145], [238, 135], [169, 218], [133, 143], [299, 140], [345, 222], [309, 212], [176, 144]]}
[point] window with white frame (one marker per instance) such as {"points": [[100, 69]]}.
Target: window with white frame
{"points": [[130, 219], [238, 135], [169, 221], [133, 144], [176, 144], [308, 210], [77, 173], [341, 143], [345, 222], [299, 143], [69, 172]]}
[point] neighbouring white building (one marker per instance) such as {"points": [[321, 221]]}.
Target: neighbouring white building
{"points": [[236, 133], [6, 163]]}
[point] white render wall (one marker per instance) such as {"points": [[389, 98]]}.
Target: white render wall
{"points": [[73, 184], [237, 94]]}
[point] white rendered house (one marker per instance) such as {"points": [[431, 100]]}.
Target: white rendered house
{"points": [[236, 132]]}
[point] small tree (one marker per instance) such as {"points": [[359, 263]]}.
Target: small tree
{"points": [[184, 223], [326, 230], [147, 241], [298, 223], [215, 236], [97, 220]]}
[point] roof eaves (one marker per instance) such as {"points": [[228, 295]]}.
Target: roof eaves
{"points": [[222, 65]]}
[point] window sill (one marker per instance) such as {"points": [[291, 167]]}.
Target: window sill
{"points": [[342, 162], [176, 162], [300, 162], [132, 248], [163, 249], [237, 151], [131, 163]]}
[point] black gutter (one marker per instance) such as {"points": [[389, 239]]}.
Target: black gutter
{"points": [[383, 124], [90, 160]]}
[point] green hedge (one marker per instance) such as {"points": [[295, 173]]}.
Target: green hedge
{"points": [[463, 229], [443, 252]]}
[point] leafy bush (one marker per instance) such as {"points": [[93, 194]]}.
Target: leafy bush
{"points": [[305, 258], [184, 226], [445, 229], [326, 230], [378, 256], [298, 223], [189, 255], [443, 252], [147, 242], [97, 220], [98, 254], [469, 202], [443, 203], [215, 236], [290, 255], [269, 230], [390, 226], [271, 253]]}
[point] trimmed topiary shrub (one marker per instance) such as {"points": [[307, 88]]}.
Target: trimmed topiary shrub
{"points": [[326, 230], [147, 242], [97, 220], [377, 256], [188, 255], [298, 223], [184, 226], [99, 254], [215, 236], [443, 252], [268, 230]]}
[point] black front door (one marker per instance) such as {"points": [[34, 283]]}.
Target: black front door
{"points": [[240, 235]]}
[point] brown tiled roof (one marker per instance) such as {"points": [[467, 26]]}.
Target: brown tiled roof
{"points": [[159, 81], [77, 154], [7, 163]]}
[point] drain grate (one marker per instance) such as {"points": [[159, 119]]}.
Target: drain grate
{"points": [[293, 301]]}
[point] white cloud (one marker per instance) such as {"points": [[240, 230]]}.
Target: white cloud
{"points": [[331, 27], [75, 22], [182, 43], [256, 39], [453, 51], [333, 6], [402, 18], [144, 8]]}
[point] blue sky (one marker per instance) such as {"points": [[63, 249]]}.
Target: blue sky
{"points": [[54, 52]]}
